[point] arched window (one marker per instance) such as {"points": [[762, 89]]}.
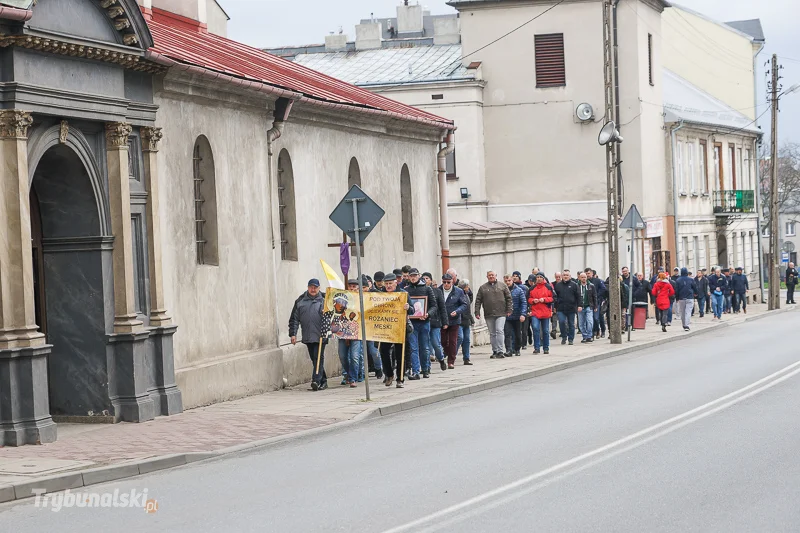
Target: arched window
{"points": [[286, 207], [205, 203], [406, 210], [353, 174]]}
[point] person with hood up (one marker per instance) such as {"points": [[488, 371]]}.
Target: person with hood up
{"points": [[685, 293], [663, 292], [540, 300]]}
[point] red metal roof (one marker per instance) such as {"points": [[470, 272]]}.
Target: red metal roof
{"points": [[185, 41]]}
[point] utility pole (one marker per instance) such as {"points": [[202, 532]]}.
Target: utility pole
{"points": [[774, 237], [614, 307]]}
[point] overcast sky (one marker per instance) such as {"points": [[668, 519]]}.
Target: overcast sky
{"points": [[271, 23]]}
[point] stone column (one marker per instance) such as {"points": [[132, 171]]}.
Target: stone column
{"points": [[158, 313], [125, 320], [24, 409], [165, 393]]}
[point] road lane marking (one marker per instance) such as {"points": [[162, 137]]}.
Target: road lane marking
{"points": [[477, 504]]}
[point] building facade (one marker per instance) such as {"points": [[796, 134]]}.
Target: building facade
{"points": [[166, 195], [525, 155]]}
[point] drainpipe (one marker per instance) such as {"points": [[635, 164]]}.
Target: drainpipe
{"points": [[13, 13], [617, 120], [448, 149], [758, 180], [283, 106], [675, 187]]}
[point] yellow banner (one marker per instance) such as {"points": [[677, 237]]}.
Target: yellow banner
{"points": [[385, 315]]}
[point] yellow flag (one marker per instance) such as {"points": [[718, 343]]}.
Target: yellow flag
{"points": [[333, 279]]}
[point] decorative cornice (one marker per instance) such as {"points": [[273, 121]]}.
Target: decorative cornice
{"points": [[150, 139], [53, 45], [14, 124], [117, 134]]}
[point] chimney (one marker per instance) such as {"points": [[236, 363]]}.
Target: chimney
{"points": [[191, 9], [446, 30], [369, 36], [409, 18], [336, 42]]}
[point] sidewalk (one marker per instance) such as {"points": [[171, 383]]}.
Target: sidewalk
{"points": [[131, 449]]}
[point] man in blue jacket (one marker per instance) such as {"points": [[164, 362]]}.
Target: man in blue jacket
{"points": [[685, 293], [513, 326], [456, 303], [739, 287]]}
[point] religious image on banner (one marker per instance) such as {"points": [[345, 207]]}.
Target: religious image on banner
{"points": [[341, 318], [385, 316]]}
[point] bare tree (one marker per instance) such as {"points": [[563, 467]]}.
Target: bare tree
{"points": [[788, 182]]}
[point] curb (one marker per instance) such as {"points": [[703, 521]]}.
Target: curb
{"points": [[93, 476]]}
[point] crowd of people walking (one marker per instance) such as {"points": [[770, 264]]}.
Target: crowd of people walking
{"points": [[518, 314]]}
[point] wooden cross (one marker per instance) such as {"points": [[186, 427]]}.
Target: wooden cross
{"points": [[344, 241]]}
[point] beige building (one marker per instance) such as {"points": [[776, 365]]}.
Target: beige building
{"points": [[523, 153]]}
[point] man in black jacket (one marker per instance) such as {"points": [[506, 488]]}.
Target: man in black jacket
{"points": [[587, 303], [703, 293], [791, 283], [568, 296], [307, 315], [419, 340], [436, 324]]}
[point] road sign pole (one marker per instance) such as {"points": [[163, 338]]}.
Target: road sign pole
{"points": [[630, 289], [364, 350]]}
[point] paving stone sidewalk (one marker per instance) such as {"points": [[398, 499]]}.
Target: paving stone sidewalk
{"points": [[289, 411]]}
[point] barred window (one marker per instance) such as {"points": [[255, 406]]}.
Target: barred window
{"points": [[205, 203], [406, 210], [286, 207]]}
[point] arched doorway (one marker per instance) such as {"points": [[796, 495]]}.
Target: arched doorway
{"points": [[73, 282]]}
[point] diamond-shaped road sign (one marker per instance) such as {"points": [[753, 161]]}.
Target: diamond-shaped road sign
{"points": [[633, 220], [369, 213]]}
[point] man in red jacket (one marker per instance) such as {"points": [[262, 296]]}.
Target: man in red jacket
{"points": [[540, 300]]}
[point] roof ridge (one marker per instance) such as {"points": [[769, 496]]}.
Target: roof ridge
{"points": [[231, 58]]}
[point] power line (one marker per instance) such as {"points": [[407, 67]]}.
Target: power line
{"points": [[686, 57]]}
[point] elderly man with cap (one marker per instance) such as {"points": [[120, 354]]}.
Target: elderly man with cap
{"points": [[391, 354], [307, 315], [739, 287], [419, 340], [456, 304]]}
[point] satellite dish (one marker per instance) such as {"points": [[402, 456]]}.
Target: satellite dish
{"points": [[609, 134], [788, 247], [584, 112]]}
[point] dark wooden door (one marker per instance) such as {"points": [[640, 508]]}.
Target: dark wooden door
{"points": [[38, 263]]}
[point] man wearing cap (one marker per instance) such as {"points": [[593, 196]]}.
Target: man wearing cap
{"points": [[307, 315], [739, 288], [391, 354], [419, 340], [495, 299], [436, 350], [513, 325], [456, 304], [377, 285]]}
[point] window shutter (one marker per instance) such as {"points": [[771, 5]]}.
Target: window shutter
{"points": [[550, 69]]}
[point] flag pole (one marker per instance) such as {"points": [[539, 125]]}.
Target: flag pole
{"points": [[319, 356]]}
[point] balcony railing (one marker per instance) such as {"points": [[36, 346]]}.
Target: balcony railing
{"points": [[726, 202]]}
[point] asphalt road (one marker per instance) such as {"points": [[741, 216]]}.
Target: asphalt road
{"points": [[699, 435]]}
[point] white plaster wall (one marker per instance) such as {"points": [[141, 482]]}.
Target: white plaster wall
{"points": [[217, 19], [713, 57], [462, 103], [226, 344]]}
